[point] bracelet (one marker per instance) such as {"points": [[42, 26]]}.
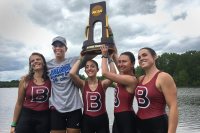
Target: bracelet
{"points": [[104, 56], [13, 124]]}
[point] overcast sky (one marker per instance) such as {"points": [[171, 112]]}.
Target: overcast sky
{"points": [[28, 26]]}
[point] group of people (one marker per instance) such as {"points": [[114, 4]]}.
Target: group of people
{"points": [[49, 100]]}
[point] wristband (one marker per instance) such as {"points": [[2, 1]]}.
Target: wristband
{"points": [[13, 124], [104, 56]]}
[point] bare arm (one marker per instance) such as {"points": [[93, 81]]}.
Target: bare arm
{"points": [[73, 74], [127, 80], [106, 83], [122, 79], [168, 87], [115, 56], [19, 103]]}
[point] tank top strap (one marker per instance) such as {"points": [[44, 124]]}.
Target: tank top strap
{"points": [[86, 82], [142, 79], [29, 83], [156, 75], [99, 82]]}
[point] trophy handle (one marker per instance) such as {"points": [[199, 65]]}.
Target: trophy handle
{"points": [[109, 31], [87, 31]]}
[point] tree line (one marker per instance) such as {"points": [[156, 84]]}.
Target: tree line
{"points": [[6, 84], [184, 68]]}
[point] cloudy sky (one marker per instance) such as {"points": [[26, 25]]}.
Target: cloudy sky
{"points": [[28, 26]]}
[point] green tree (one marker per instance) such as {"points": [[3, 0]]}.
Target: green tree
{"points": [[182, 78], [139, 71], [167, 62]]}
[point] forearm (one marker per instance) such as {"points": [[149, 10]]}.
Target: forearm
{"points": [[17, 111], [112, 66], [75, 67], [173, 119], [104, 66]]}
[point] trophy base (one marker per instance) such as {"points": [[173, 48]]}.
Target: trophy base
{"points": [[89, 47], [94, 49]]}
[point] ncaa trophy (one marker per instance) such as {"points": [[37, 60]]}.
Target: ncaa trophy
{"points": [[98, 14]]}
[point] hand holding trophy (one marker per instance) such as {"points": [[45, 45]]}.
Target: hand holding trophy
{"points": [[98, 14]]}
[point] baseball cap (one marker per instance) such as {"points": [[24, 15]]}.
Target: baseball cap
{"points": [[59, 39]]}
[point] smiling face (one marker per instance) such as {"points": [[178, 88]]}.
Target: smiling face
{"points": [[36, 62], [146, 58], [91, 68], [124, 64], [59, 50]]}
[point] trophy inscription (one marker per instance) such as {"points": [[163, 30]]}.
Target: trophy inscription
{"points": [[98, 14]]}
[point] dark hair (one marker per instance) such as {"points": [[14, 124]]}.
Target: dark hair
{"points": [[31, 72], [151, 51], [96, 64], [131, 57]]}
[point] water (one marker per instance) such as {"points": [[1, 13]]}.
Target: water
{"points": [[8, 98], [189, 110], [188, 100]]}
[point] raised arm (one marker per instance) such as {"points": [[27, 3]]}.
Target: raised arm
{"points": [[107, 82], [74, 73], [129, 81], [115, 56]]}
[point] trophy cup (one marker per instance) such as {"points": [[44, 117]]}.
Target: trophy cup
{"points": [[98, 14]]}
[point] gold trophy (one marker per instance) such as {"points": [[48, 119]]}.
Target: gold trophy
{"points": [[98, 14]]}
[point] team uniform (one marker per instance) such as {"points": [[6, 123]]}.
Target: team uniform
{"points": [[151, 113], [125, 118], [35, 115], [65, 101], [95, 118]]}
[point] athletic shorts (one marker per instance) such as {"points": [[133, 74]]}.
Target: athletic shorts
{"points": [[97, 124], [61, 121], [124, 122], [31, 121], [154, 125]]}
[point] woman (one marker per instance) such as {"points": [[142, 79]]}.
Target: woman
{"points": [[124, 121], [31, 114], [95, 118], [65, 101], [154, 91]]}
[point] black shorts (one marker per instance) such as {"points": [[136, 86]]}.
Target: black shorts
{"points": [[124, 122], [31, 121], [98, 124], [61, 121], [154, 125]]}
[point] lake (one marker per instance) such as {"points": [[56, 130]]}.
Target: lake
{"points": [[188, 100]]}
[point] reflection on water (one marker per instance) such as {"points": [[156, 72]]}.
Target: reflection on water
{"points": [[189, 110], [188, 99]]}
